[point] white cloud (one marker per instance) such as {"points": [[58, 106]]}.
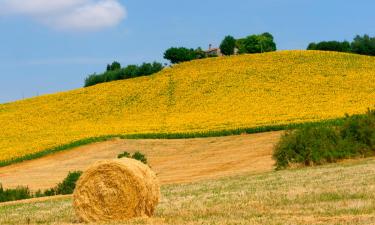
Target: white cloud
{"points": [[76, 15]]}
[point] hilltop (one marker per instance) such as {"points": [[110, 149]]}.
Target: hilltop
{"points": [[199, 96]]}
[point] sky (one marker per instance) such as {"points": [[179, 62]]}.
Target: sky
{"points": [[50, 46]]}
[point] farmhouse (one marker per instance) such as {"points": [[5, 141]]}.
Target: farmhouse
{"points": [[213, 51]]}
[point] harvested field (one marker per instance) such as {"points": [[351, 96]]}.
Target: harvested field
{"points": [[335, 194], [174, 161]]}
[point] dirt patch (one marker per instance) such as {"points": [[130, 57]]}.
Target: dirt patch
{"points": [[174, 161]]}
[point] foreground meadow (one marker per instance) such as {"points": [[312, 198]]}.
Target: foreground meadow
{"points": [[335, 194], [200, 96]]}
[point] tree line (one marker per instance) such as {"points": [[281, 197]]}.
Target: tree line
{"points": [[364, 45], [229, 46], [115, 72], [256, 43]]}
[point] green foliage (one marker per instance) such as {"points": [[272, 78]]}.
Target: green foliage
{"points": [[124, 155], [66, 187], [360, 130], [181, 54], [256, 44], [137, 156], [140, 157], [114, 66], [131, 71], [14, 194], [199, 53], [315, 145], [330, 46], [228, 45], [364, 45]]}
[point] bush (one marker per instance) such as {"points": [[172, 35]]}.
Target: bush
{"points": [[137, 156], [69, 183], [18, 193], [124, 155], [360, 130], [315, 145], [66, 187]]}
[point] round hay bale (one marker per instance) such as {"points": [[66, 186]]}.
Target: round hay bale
{"points": [[115, 190]]}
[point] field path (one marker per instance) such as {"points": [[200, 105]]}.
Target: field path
{"points": [[174, 161]]}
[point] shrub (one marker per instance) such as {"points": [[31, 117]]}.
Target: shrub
{"points": [[66, 186], [360, 130], [124, 155], [315, 145], [308, 146], [137, 156], [14, 194], [140, 157]]}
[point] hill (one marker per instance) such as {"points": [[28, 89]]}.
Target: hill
{"points": [[213, 94], [334, 194]]}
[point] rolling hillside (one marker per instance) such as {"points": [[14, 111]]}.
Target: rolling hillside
{"points": [[204, 95]]}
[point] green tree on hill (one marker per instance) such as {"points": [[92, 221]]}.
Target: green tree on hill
{"points": [[114, 66], [228, 45], [330, 46], [256, 44], [364, 45], [178, 55]]}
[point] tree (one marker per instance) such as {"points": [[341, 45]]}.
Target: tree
{"points": [[228, 45], [178, 55], [257, 44], [330, 46], [240, 45], [364, 45], [199, 53], [114, 66]]}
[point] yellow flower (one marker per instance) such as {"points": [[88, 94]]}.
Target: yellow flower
{"points": [[203, 95]]}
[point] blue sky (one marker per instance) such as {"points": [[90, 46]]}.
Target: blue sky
{"points": [[49, 46]]}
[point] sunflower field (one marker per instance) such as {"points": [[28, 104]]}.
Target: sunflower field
{"points": [[199, 96]]}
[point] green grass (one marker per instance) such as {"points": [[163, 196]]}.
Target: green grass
{"points": [[219, 133], [332, 194]]}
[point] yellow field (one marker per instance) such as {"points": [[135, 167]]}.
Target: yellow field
{"points": [[210, 94]]}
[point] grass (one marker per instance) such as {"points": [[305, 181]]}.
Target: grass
{"points": [[333, 194], [221, 133]]}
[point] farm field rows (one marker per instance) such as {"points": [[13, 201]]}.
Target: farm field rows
{"points": [[200, 96], [335, 194]]}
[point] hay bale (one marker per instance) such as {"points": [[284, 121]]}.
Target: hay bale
{"points": [[115, 190]]}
